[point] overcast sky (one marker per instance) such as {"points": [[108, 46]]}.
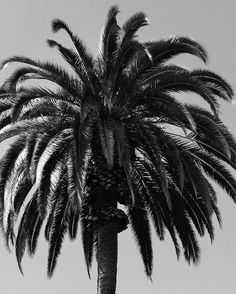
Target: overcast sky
{"points": [[24, 28]]}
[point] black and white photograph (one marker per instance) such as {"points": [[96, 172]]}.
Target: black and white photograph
{"points": [[118, 146]]}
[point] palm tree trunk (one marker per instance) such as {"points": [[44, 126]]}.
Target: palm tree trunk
{"points": [[107, 244]]}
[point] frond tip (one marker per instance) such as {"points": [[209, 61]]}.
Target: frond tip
{"points": [[52, 43], [58, 24]]}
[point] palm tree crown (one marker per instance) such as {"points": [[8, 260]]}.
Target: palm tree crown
{"points": [[109, 131]]}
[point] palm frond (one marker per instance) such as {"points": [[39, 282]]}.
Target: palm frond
{"points": [[57, 25], [148, 189], [6, 166], [152, 152], [74, 61], [109, 40], [121, 140], [57, 181], [56, 148], [198, 213], [220, 86], [140, 227], [23, 231], [88, 240], [33, 100], [73, 222], [209, 130], [39, 147], [15, 177], [81, 150], [132, 25], [185, 231], [107, 139], [165, 49], [5, 118], [180, 81], [198, 181], [48, 71], [33, 232], [58, 230], [9, 232], [22, 190], [172, 153], [217, 171], [39, 123]]}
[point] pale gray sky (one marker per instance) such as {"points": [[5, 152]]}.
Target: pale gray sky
{"points": [[24, 27]]}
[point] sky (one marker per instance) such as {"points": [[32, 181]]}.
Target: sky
{"points": [[24, 28]]}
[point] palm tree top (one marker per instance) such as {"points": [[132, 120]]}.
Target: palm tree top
{"points": [[114, 115]]}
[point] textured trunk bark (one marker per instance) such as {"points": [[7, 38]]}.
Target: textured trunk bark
{"points": [[107, 259]]}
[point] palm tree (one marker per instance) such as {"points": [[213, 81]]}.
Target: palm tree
{"points": [[106, 132]]}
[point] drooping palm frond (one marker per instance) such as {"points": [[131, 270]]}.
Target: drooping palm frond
{"points": [[140, 227], [132, 25], [82, 51], [73, 221], [165, 49], [42, 70], [7, 165], [185, 232], [217, 84], [23, 230], [88, 240], [58, 228], [54, 150], [33, 232], [72, 58], [35, 101]]}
